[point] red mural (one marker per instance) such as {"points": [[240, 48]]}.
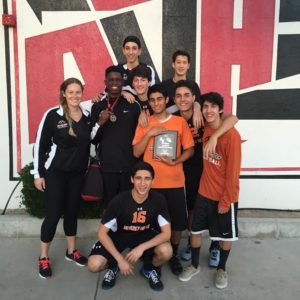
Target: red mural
{"points": [[44, 66], [116, 4], [222, 46]]}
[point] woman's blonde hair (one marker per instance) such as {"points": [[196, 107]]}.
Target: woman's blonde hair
{"points": [[63, 101]]}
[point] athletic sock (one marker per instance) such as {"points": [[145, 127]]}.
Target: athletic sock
{"points": [[223, 259], [189, 240], [175, 249], [113, 266], [147, 258], [149, 266], [214, 245], [195, 256]]}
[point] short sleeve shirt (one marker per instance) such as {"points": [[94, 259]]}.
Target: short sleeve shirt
{"points": [[166, 176], [125, 215]]}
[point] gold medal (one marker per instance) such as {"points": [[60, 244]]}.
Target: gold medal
{"points": [[113, 118]]}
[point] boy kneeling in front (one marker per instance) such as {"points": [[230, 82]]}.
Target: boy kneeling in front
{"points": [[130, 221]]}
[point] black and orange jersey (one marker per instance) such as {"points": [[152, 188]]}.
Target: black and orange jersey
{"points": [[125, 215], [196, 161]]}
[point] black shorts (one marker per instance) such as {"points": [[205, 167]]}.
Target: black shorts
{"points": [[192, 179], [221, 227], [123, 241], [175, 198]]}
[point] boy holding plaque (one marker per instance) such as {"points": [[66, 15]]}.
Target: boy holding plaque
{"points": [[166, 143]]}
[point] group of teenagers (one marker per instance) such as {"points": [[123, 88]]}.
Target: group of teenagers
{"points": [[149, 199]]}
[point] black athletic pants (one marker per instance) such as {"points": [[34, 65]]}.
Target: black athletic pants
{"points": [[114, 183], [62, 196]]}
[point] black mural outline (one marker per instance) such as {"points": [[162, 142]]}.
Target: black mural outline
{"points": [[114, 29], [288, 58], [183, 30], [9, 96], [38, 6], [273, 104], [289, 11]]}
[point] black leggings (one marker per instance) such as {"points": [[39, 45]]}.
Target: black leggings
{"points": [[62, 196]]}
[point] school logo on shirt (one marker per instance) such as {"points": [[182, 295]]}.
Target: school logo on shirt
{"points": [[214, 159], [196, 136], [62, 124], [216, 156]]}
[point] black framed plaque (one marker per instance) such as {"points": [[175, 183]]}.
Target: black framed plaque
{"points": [[165, 144]]}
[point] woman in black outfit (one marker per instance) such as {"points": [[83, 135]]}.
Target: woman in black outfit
{"points": [[61, 153]]}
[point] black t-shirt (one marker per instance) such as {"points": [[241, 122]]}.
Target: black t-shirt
{"points": [[196, 161], [169, 86], [127, 79], [114, 139], [144, 104], [124, 215]]}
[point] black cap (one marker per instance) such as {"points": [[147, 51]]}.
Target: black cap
{"points": [[132, 38]]}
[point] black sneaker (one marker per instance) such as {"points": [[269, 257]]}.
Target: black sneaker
{"points": [[45, 271], [153, 279], [109, 279], [75, 256], [175, 265]]}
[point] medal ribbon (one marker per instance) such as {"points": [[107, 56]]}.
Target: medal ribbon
{"points": [[112, 106]]}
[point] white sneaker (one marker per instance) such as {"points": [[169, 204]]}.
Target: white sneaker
{"points": [[188, 273], [221, 280]]}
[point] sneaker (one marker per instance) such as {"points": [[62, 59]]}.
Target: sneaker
{"points": [[186, 254], [175, 265], [221, 280], [188, 273], [45, 271], [109, 279], [214, 258], [75, 256], [153, 278]]}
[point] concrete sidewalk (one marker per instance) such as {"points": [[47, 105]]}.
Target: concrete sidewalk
{"points": [[257, 268], [19, 226]]}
